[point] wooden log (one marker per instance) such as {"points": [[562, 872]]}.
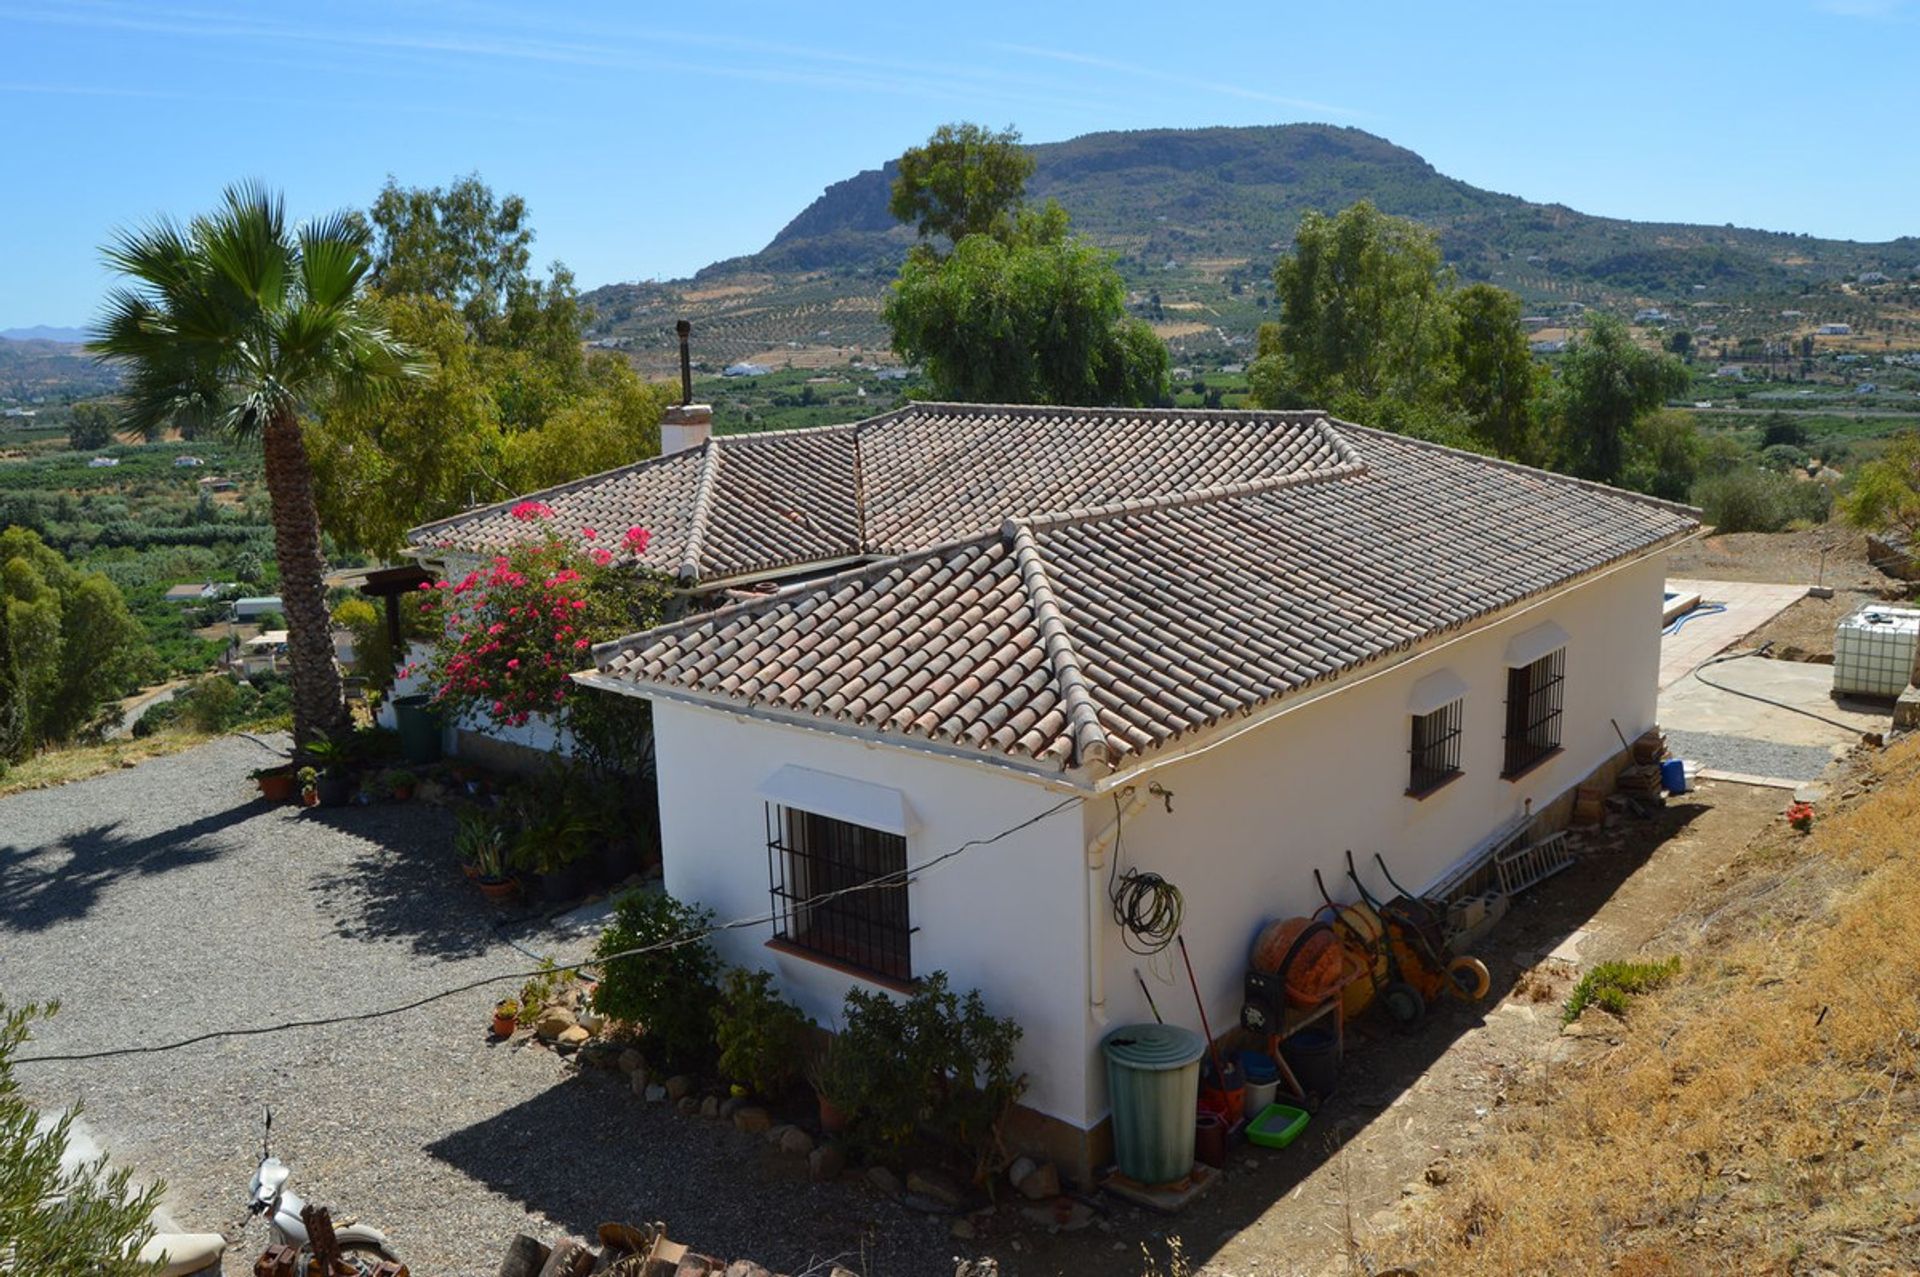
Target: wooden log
{"points": [[568, 1259], [525, 1257]]}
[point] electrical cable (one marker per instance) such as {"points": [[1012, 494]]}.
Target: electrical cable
{"points": [[897, 878], [1146, 907], [1767, 700]]}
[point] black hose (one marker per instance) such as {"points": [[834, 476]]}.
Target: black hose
{"points": [[1767, 700]]}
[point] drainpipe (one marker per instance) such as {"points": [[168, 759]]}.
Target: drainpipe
{"points": [[1131, 801]]}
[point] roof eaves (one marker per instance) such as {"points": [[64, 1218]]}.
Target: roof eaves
{"points": [[1090, 742]]}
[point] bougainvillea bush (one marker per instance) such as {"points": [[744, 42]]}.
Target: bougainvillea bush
{"points": [[513, 631]]}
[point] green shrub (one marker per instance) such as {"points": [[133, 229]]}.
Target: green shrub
{"points": [[760, 1034], [1609, 985], [934, 1066], [669, 992], [1755, 500]]}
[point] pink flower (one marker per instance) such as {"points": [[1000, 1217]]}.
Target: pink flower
{"points": [[589, 534], [579, 644], [530, 510], [514, 664], [637, 538], [602, 557], [499, 707]]}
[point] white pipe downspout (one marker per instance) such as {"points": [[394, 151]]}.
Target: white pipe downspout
{"points": [[1131, 801]]}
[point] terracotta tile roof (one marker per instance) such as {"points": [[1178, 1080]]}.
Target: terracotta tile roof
{"points": [[925, 475], [1095, 635]]}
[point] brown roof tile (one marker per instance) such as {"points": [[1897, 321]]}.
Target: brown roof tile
{"points": [[1101, 633]]}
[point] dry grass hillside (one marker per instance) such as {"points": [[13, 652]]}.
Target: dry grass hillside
{"points": [[1758, 1114]]}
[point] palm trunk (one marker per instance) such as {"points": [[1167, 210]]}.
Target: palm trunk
{"points": [[318, 704]]}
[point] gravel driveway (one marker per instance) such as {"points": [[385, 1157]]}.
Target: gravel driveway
{"points": [[166, 900]]}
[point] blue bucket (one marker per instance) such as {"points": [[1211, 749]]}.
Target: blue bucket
{"points": [[1673, 776], [1258, 1068]]}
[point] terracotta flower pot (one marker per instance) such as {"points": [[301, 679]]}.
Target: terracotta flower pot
{"points": [[832, 1119], [402, 793], [279, 787], [309, 798], [499, 890], [503, 1024]]}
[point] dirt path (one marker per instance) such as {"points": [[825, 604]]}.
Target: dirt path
{"points": [[1410, 1102]]}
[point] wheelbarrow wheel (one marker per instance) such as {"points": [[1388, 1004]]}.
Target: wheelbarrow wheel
{"points": [[1468, 979], [1403, 1002]]}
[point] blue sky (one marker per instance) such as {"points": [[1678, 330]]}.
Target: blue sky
{"points": [[650, 140]]}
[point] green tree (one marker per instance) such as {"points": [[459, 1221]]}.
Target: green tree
{"points": [[1365, 327], [966, 180], [1664, 455], [239, 321], [508, 402], [1780, 428], [1494, 377], [1040, 318], [81, 1221], [13, 708], [1885, 496], [1607, 383], [1680, 343], [1021, 311], [76, 647], [90, 426]]}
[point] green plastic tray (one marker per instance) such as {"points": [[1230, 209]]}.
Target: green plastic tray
{"points": [[1277, 1126]]}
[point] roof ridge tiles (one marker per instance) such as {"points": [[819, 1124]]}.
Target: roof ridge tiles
{"points": [[689, 569], [1199, 496], [1090, 741]]}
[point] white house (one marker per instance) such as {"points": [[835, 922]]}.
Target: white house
{"points": [[1010, 651]]}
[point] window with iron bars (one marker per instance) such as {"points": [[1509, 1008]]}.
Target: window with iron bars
{"points": [[1436, 748], [1533, 711], [818, 871]]}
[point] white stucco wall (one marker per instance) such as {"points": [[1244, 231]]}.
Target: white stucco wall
{"points": [[537, 733], [1252, 819], [1007, 919]]}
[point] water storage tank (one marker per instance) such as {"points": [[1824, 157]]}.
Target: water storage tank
{"points": [[1873, 651]]}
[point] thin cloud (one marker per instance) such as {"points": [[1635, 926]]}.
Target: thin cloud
{"points": [[1191, 83]]}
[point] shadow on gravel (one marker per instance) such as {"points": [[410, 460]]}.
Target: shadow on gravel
{"points": [[587, 1151], [44, 886], [400, 881]]}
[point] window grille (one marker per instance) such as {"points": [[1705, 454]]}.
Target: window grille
{"points": [[1436, 748], [817, 870], [1533, 711]]}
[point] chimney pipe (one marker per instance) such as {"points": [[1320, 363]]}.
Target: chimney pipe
{"points": [[685, 329], [687, 424]]}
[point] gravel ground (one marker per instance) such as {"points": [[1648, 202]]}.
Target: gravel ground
{"points": [[1750, 756], [166, 900]]}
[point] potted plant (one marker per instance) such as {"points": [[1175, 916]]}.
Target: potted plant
{"points": [[331, 758], [489, 853], [474, 829], [278, 784], [506, 1015], [309, 787], [401, 784], [552, 843], [829, 1069]]}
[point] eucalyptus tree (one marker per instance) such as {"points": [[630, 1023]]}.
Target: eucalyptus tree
{"points": [[241, 322]]}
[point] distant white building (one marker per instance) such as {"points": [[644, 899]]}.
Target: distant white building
{"points": [[1835, 330], [249, 609], [1552, 346], [1650, 315], [185, 462], [744, 369], [101, 463], [1730, 372]]}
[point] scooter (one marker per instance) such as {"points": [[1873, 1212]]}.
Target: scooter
{"points": [[268, 1195]]}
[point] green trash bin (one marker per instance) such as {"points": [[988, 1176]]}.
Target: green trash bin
{"points": [[419, 728], [1153, 1083]]}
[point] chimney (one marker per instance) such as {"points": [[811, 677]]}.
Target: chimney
{"points": [[687, 424]]}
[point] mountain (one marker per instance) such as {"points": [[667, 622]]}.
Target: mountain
{"points": [[43, 332], [34, 371], [1197, 216]]}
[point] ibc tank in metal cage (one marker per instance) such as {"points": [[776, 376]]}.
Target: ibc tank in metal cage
{"points": [[1873, 651]]}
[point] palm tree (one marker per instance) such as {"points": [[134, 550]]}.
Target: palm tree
{"points": [[236, 322]]}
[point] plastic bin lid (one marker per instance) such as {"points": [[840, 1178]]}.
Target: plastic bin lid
{"points": [[1153, 1046]]}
